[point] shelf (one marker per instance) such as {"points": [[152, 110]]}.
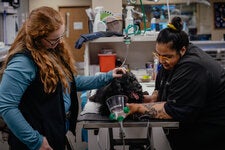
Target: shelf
{"points": [[142, 38], [137, 38], [210, 45], [138, 52], [208, 42], [8, 10]]}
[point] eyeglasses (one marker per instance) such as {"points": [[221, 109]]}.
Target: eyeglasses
{"points": [[164, 57], [53, 42]]}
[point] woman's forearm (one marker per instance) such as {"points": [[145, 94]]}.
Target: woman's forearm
{"points": [[154, 110]]}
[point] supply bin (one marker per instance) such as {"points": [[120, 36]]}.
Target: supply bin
{"points": [[107, 62]]}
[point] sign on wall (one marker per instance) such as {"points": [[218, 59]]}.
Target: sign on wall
{"points": [[219, 15]]}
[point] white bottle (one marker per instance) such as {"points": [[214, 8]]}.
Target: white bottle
{"points": [[153, 24], [129, 21], [98, 24], [155, 68]]}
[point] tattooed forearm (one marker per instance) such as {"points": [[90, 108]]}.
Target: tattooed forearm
{"points": [[151, 111], [156, 110]]}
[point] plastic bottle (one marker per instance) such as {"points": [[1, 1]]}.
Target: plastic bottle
{"points": [[98, 24], [149, 68], [155, 68], [129, 21], [153, 24]]}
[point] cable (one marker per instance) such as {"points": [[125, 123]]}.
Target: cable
{"points": [[144, 15], [127, 49], [168, 10], [135, 32], [122, 134]]}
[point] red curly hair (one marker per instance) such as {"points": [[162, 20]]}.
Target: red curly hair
{"points": [[55, 65]]}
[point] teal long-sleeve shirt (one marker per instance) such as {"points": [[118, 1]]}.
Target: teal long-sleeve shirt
{"points": [[18, 75]]}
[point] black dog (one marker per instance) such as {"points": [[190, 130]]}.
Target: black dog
{"points": [[126, 85]]}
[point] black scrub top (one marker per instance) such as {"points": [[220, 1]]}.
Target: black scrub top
{"points": [[194, 90]]}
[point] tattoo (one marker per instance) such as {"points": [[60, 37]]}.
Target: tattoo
{"points": [[150, 111], [156, 110]]}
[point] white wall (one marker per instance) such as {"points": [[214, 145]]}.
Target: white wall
{"points": [[115, 6], [56, 3]]}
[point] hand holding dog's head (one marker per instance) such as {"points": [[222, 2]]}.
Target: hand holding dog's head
{"points": [[126, 85], [118, 72]]}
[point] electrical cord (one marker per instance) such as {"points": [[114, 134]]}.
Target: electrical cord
{"points": [[147, 118], [127, 40], [168, 10], [122, 134], [127, 49], [135, 32], [144, 15]]}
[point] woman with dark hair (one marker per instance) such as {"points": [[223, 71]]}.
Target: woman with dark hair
{"points": [[39, 84], [190, 88]]}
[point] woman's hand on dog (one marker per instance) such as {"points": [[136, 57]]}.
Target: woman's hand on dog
{"points": [[118, 72]]}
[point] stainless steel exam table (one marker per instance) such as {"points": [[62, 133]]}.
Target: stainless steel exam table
{"points": [[94, 122]]}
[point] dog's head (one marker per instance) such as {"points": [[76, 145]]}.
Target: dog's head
{"points": [[126, 85]]}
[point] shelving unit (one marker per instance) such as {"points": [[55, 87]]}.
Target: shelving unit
{"points": [[216, 49], [139, 51]]}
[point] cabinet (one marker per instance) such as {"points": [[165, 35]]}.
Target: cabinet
{"points": [[11, 20], [215, 49], [138, 52], [8, 20]]}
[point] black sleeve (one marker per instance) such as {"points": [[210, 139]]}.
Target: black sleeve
{"points": [[158, 79], [187, 92]]}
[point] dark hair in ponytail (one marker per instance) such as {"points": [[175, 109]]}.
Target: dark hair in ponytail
{"points": [[178, 24], [174, 35]]}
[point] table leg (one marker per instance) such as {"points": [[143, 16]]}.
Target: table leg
{"points": [[111, 139]]}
